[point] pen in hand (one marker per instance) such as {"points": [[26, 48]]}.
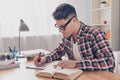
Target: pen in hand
{"points": [[39, 57]]}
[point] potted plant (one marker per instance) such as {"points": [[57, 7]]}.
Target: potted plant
{"points": [[103, 4]]}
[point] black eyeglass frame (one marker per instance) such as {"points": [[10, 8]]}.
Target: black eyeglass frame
{"points": [[64, 27]]}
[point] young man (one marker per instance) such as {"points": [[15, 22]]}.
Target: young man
{"points": [[87, 48]]}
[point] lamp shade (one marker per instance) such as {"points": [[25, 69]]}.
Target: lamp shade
{"points": [[23, 26]]}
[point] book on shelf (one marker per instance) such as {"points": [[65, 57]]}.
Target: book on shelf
{"points": [[66, 74]]}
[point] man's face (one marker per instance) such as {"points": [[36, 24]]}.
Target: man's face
{"points": [[65, 26]]}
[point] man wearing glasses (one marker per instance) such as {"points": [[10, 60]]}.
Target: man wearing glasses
{"points": [[87, 48]]}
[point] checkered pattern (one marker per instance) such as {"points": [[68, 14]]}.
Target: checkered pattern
{"points": [[94, 49]]}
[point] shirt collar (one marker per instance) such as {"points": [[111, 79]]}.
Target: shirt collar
{"points": [[81, 31]]}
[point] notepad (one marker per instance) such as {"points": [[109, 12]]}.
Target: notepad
{"points": [[46, 66]]}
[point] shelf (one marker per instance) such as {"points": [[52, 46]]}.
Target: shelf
{"points": [[106, 19], [100, 16], [100, 25], [99, 9]]}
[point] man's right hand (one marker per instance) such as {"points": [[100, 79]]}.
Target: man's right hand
{"points": [[41, 62]]}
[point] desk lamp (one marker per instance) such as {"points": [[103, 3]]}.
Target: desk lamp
{"points": [[22, 28]]}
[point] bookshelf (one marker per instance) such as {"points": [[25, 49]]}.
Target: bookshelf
{"points": [[101, 16], [107, 18]]}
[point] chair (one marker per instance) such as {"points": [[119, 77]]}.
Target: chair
{"points": [[116, 55]]}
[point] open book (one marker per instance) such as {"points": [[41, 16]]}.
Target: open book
{"points": [[66, 74]]}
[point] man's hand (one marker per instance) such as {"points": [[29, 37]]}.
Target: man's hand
{"points": [[66, 64], [39, 61]]}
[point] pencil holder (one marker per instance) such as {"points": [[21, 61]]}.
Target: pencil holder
{"points": [[15, 53]]}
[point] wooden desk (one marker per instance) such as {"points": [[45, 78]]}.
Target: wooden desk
{"points": [[29, 74]]}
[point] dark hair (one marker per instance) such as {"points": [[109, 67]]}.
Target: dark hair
{"points": [[64, 11]]}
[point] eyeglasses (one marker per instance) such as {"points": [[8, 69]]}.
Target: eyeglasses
{"points": [[63, 27]]}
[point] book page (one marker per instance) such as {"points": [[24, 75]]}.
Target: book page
{"points": [[67, 74], [45, 73], [67, 71], [46, 66], [48, 70]]}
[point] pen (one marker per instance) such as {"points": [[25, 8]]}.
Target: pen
{"points": [[10, 50], [39, 57], [14, 48], [31, 67]]}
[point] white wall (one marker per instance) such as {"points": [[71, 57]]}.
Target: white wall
{"points": [[88, 6], [82, 7], [119, 24], [115, 36]]}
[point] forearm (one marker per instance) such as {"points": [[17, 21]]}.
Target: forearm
{"points": [[56, 53], [55, 56], [95, 64]]}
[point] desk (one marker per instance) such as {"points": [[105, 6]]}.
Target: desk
{"points": [[29, 74]]}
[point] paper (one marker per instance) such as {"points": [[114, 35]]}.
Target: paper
{"points": [[46, 66]]}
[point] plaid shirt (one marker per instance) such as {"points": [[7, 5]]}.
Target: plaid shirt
{"points": [[93, 47]]}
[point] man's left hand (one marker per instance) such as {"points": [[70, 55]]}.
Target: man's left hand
{"points": [[66, 64]]}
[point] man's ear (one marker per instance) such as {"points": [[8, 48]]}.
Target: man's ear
{"points": [[74, 19]]}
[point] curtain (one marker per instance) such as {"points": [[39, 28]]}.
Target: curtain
{"points": [[47, 42]]}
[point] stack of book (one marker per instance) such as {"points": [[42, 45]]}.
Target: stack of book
{"points": [[7, 61], [9, 66]]}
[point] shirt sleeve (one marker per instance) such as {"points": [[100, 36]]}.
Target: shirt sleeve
{"points": [[56, 54], [103, 58]]}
